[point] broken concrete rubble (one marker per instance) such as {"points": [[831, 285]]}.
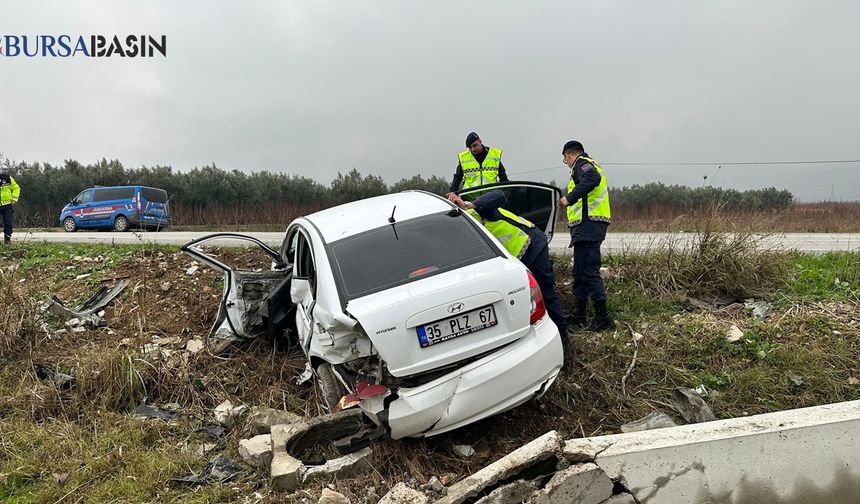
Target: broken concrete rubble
{"points": [[331, 497], [546, 447], [225, 413], [579, 484], [623, 498], [262, 419], [584, 449], [347, 466], [516, 492], [257, 450], [463, 451], [194, 345], [402, 494], [693, 408]]}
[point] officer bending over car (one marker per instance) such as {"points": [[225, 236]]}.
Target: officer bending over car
{"points": [[526, 242]]}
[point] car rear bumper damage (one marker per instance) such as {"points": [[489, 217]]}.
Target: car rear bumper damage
{"points": [[495, 383]]}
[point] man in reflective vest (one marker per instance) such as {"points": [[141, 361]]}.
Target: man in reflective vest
{"points": [[479, 165], [588, 216], [9, 194], [526, 242]]}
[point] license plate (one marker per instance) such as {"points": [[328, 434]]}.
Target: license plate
{"points": [[450, 328]]}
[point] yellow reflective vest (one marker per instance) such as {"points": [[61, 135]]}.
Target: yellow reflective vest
{"points": [[513, 238], [598, 200], [10, 192], [474, 173]]}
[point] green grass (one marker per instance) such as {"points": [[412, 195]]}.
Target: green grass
{"points": [[814, 277]]}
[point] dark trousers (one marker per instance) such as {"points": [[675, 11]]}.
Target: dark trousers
{"points": [[538, 262], [587, 282], [7, 212]]}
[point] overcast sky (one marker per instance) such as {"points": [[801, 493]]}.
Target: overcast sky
{"points": [[393, 87]]}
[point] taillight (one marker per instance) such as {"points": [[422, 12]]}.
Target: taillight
{"points": [[538, 309]]}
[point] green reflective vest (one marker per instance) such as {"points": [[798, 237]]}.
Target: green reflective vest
{"points": [[476, 174], [9, 192], [598, 200], [513, 238]]}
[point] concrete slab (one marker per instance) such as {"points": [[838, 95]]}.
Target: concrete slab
{"points": [[579, 484], [808, 456]]}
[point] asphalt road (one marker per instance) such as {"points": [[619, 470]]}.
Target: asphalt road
{"points": [[615, 242]]}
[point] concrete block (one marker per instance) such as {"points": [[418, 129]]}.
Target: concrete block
{"points": [[281, 433], [332, 497], [348, 466], [402, 494], [256, 451], [579, 484], [262, 419], [547, 446], [806, 455], [285, 472]]}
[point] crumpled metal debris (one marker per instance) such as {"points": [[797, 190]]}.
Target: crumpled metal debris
{"points": [[759, 308], [219, 470], [89, 310]]}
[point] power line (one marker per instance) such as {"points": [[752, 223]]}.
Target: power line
{"points": [[713, 163]]}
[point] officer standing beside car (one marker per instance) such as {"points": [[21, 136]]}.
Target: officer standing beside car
{"points": [[526, 242], [10, 191], [588, 216], [478, 165]]}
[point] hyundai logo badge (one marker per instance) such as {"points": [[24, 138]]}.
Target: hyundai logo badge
{"points": [[456, 307]]}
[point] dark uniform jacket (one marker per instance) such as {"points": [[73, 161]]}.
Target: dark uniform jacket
{"points": [[586, 178]]}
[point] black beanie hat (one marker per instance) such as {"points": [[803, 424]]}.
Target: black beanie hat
{"points": [[471, 137], [573, 145]]}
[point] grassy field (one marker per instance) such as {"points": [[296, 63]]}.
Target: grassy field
{"points": [[80, 443]]}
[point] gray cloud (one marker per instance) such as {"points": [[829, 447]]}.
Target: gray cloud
{"points": [[392, 88]]}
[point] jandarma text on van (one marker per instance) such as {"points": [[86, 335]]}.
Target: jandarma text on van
{"points": [[92, 46]]}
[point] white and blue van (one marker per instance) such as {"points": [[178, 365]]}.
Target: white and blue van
{"points": [[118, 208]]}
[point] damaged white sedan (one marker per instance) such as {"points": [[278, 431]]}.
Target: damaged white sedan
{"points": [[405, 307]]}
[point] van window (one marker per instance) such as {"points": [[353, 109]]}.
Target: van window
{"points": [[113, 193], [83, 198], [154, 195]]}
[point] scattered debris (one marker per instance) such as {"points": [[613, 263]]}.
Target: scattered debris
{"points": [[701, 390], [193, 269], [433, 485], [219, 470], [89, 309], [201, 449], [518, 491], [81, 277], [165, 286], [654, 420], [225, 412], [797, 380], [759, 308], [256, 451], [145, 411], [853, 381], [306, 375], [63, 380], [464, 451], [734, 334], [331, 497], [693, 408], [61, 478], [402, 494], [194, 345]]}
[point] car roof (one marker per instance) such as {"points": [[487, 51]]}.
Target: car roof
{"points": [[359, 216]]}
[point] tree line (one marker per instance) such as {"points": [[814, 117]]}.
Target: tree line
{"points": [[209, 189]]}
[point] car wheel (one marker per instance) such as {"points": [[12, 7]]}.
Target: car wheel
{"points": [[120, 224], [70, 225], [330, 388]]}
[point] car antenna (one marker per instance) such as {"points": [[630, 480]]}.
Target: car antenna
{"points": [[391, 219]]}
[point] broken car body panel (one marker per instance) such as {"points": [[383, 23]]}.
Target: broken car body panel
{"points": [[420, 314]]}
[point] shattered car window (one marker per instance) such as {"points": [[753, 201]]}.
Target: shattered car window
{"points": [[406, 251]]}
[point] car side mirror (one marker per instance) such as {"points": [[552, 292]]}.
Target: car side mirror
{"points": [[300, 289]]}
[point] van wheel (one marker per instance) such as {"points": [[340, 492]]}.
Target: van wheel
{"points": [[330, 388], [120, 224], [70, 225]]}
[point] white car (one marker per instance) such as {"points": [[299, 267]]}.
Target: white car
{"points": [[405, 306]]}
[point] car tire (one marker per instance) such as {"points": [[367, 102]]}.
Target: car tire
{"points": [[330, 388], [120, 224], [69, 225]]}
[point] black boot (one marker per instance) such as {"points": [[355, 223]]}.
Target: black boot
{"points": [[602, 320], [7, 240], [576, 319]]}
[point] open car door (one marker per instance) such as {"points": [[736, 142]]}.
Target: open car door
{"points": [[254, 303], [534, 201]]}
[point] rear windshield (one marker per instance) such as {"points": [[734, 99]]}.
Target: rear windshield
{"points": [[410, 250], [113, 193], [154, 195]]}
